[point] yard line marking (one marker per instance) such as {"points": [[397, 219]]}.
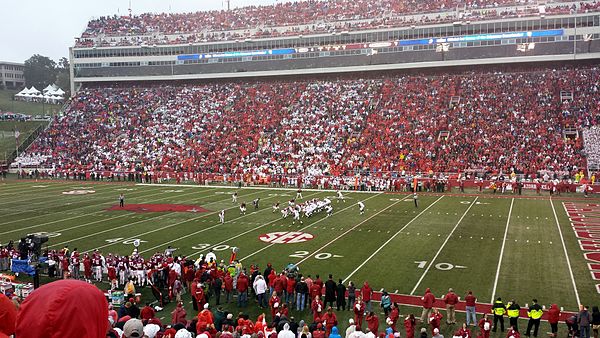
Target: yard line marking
{"points": [[512, 201], [389, 240], [243, 233], [162, 228], [443, 245], [308, 226], [565, 250], [79, 216], [347, 231]]}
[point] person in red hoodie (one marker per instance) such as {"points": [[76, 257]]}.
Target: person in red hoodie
{"points": [[359, 311], [274, 304], [314, 291], [553, 316], [242, 290], [317, 308], [330, 320], [428, 300], [290, 287], [178, 315], [435, 320], [409, 325], [147, 313], [205, 320], [464, 331], [512, 333], [394, 316], [228, 286], [367, 293], [53, 310], [485, 326], [373, 323], [8, 316]]}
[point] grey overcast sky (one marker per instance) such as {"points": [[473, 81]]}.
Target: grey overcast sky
{"points": [[49, 27]]}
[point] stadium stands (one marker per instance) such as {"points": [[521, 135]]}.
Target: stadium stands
{"points": [[303, 17], [479, 121]]}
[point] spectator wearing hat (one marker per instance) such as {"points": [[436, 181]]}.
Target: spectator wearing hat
{"points": [[133, 328], [52, 311]]}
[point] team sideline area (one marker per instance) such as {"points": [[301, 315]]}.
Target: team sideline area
{"points": [[495, 245]]}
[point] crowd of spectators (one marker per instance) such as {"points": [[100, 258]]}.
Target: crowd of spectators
{"points": [[488, 121], [74, 307], [303, 18], [592, 146]]}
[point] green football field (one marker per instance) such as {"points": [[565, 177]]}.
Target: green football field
{"points": [[507, 246]]}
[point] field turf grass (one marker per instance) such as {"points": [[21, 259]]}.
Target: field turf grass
{"points": [[29, 108], [7, 136], [450, 240]]}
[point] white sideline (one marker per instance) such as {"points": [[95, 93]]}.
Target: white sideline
{"points": [[347, 231], [442, 247], [389, 240], [243, 233], [306, 227], [157, 229], [259, 188], [562, 240], [502, 251]]}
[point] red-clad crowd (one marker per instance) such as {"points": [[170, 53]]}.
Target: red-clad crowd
{"points": [[489, 122], [302, 17], [73, 308]]}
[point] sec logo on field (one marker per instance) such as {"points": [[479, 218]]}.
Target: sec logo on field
{"points": [[286, 237]]}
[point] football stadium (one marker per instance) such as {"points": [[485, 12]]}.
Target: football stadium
{"points": [[303, 169]]}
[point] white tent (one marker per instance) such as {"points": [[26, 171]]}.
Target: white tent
{"points": [[32, 90], [48, 88], [22, 92], [60, 92]]}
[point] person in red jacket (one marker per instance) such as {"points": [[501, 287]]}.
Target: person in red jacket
{"points": [[289, 292], [451, 299], [330, 320], [428, 300], [553, 316], [147, 313], [464, 331], [359, 311], [178, 315], [315, 290], [373, 323], [319, 332], [317, 308], [409, 325], [228, 287], [274, 304], [485, 326], [512, 333], [205, 320], [367, 293], [242, 290], [394, 316], [435, 320]]}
